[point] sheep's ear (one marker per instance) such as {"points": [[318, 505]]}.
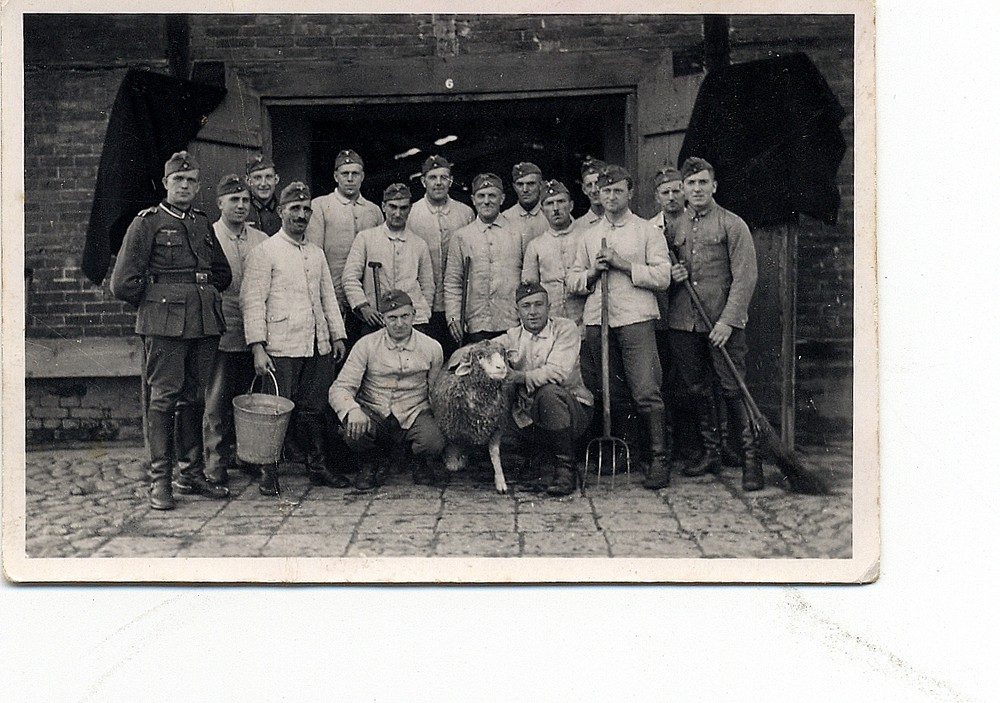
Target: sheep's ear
{"points": [[464, 368]]}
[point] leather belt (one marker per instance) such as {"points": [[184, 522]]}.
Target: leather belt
{"points": [[181, 277]]}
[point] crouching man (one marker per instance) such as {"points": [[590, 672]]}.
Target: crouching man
{"points": [[294, 328], [382, 393], [544, 354]]}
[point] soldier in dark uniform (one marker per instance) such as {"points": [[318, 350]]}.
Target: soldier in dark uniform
{"points": [[263, 182], [172, 268]]}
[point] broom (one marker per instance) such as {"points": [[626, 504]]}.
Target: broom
{"points": [[800, 479]]}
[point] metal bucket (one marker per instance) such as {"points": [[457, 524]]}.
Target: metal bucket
{"points": [[261, 422]]}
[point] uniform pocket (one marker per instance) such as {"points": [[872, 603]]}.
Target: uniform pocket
{"points": [[277, 327], [167, 249], [162, 312]]}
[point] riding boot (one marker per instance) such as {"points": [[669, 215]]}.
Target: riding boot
{"points": [[267, 483], [367, 476], [708, 429], [312, 440], [160, 439], [190, 455], [660, 449], [739, 421], [563, 481]]}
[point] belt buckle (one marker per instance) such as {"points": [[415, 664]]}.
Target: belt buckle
{"points": [[200, 277]]}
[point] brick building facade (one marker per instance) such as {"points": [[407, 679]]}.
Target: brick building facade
{"points": [[293, 83]]}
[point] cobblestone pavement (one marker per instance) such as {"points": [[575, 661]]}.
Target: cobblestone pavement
{"points": [[92, 503]]}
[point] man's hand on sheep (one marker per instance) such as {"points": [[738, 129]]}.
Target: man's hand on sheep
{"points": [[262, 362], [455, 327], [357, 423]]}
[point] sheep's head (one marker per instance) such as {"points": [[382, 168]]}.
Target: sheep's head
{"points": [[490, 358]]}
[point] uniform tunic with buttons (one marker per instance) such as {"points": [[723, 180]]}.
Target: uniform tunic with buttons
{"points": [[406, 266], [288, 299], [528, 223], [436, 225], [669, 227], [164, 254], [631, 298], [548, 260], [495, 250], [717, 247], [264, 215], [335, 222], [237, 247]]}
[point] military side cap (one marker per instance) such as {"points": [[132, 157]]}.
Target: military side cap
{"points": [[394, 299], [553, 188], [181, 161], [396, 191], [529, 288], [591, 166], [294, 192], [613, 174], [486, 180], [667, 174], [348, 156], [525, 168], [433, 162], [230, 183], [258, 163], [695, 164]]}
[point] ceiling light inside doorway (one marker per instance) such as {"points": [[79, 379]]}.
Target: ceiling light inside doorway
{"points": [[446, 140], [407, 154]]}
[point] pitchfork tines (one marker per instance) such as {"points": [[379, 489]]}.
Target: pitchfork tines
{"points": [[597, 448]]}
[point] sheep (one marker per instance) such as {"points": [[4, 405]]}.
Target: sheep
{"points": [[471, 402]]}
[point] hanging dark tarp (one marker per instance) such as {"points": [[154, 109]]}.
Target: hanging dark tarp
{"points": [[153, 116], [771, 129]]}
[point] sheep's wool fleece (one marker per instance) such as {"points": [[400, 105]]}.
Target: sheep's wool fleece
{"points": [[469, 409]]}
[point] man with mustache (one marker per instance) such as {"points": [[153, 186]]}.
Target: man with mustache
{"points": [[232, 371], [294, 329]]}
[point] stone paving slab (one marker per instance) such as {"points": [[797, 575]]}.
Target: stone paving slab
{"points": [[92, 503]]}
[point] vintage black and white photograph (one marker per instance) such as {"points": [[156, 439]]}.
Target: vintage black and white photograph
{"points": [[441, 297]]}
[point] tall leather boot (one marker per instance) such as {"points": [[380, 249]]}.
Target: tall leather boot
{"points": [[739, 421], [312, 439], [708, 430], [660, 449], [160, 439], [560, 443], [267, 480], [190, 455]]}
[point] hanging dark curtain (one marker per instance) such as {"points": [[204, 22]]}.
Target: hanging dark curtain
{"points": [[153, 116], [771, 129]]}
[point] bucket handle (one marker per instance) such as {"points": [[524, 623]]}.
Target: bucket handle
{"points": [[273, 380]]}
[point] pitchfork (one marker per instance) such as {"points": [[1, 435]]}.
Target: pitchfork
{"points": [[606, 442]]}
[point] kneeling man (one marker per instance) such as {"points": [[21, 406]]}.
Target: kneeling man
{"points": [[382, 393], [544, 353]]}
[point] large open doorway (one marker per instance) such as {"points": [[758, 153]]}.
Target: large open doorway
{"points": [[478, 135]]}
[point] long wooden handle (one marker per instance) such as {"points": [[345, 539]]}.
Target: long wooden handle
{"points": [[605, 366], [375, 266], [703, 314], [466, 284]]}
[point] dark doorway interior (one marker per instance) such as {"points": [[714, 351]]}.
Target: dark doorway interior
{"points": [[556, 133]]}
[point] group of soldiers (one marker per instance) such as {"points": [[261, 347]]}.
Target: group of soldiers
{"points": [[354, 309]]}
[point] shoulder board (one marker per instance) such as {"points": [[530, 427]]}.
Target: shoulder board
{"points": [[148, 211]]}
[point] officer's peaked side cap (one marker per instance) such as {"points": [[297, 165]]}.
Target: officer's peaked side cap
{"points": [[181, 161], [294, 192]]}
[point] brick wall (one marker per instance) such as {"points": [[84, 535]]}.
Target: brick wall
{"points": [[825, 292], [71, 410]]}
